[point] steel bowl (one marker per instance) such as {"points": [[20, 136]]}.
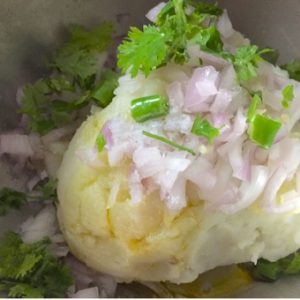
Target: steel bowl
{"points": [[31, 29]]}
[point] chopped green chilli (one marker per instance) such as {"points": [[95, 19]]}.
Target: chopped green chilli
{"points": [[150, 107], [263, 130], [203, 128]]}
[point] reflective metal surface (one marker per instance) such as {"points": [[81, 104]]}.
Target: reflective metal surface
{"points": [[30, 29]]}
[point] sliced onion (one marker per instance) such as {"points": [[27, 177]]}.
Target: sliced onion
{"points": [[42, 225], [92, 292], [195, 172], [16, 144], [221, 102], [224, 25], [175, 95], [208, 59], [58, 134], [106, 131], [106, 284], [154, 12], [201, 89], [176, 197], [136, 188], [249, 191]]}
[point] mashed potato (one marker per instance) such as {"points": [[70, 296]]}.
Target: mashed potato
{"points": [[147, 241]]}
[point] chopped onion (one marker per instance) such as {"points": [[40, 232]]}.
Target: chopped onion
{"points": [[92, 292], [16, 144], [42, 225], [154, 12], [249, 191], [106, 131], [224, 25], [201, 89]]}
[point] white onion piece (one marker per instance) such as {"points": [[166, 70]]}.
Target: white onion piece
{"points": [[283, 162], [195, 172], [42, 225], [92, 292], [221, 102], [147, 161], [173, 164], [224, 25], [59, 250], [136, 188], [106, 131], [195, 53], [16, 144], [154, 12], [81, 273], [201, 89], [179, 122], [58, 134], [176, 197], [249, 191], [162, 169], [237, 129], [106, 284], [175, 95], [288, 202], [219, 120]]}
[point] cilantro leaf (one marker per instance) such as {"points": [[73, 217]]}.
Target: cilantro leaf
{"points": [[293, 69], [23, 290], [48, 190], [246, 59], [29, 270], [271, 56], [143, 50], [287, 96], [167, 41], [204, 8], [209, 39], [245, 62], [97, 39], [266, 270], [52, 102], [103, 93], [203, 128], [10, 199], [78, 57]]}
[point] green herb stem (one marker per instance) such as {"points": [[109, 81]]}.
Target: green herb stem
{"points": [[168, 142]]}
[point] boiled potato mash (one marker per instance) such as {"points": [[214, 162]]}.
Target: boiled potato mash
{"points": [[147, 241]]}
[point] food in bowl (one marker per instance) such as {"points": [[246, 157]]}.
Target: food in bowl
{"points": [[187, 161]]}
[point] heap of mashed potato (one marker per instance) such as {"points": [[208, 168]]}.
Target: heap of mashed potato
{"points": [[146, 240]]}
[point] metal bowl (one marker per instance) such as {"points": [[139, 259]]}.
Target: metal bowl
{"points": [[30, 30]]}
